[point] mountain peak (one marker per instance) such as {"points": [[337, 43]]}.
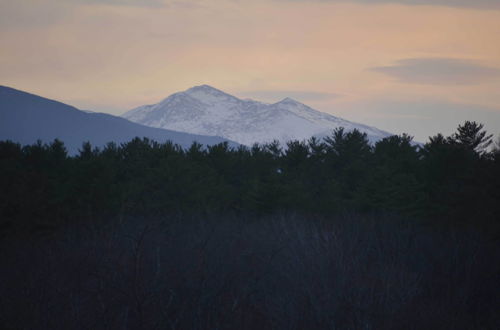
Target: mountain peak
{"points": [[289, 101], [206, 110], [208, 94], [204, 89]]}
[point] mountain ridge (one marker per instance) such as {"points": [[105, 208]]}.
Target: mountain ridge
{"points": [[26, 118], [209, 111]]}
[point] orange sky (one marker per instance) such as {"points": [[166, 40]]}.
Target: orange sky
{"points": [[401, 67]]}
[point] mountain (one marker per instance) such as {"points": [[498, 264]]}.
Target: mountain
{"points": [[209, 111], [25, 118]]}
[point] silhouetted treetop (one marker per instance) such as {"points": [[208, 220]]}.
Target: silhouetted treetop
{"points": [[471, 136], [444, 179]]}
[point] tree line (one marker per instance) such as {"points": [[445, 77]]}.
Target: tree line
{"points": [[454, 179]]}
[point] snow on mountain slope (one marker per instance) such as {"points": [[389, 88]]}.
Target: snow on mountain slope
{"points": [[26, 118], [209, 111]]}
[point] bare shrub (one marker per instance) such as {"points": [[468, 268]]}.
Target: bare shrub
{"points": [[234, 272]]}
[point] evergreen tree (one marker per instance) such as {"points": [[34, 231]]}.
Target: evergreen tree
{"points": [[394, 184], [348, 158], [471, 136]]}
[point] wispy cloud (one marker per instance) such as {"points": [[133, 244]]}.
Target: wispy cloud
{"points": [[135, 3], [277, 95], [480, 4], [439, 71], [18, 14]]}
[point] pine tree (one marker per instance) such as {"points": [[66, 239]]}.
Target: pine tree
{"points": [[471, 136]]}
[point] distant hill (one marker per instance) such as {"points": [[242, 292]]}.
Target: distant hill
{"points": [[209, 111], [25, 118]]}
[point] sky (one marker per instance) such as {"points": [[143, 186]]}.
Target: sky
{"points": [[415, 66]]}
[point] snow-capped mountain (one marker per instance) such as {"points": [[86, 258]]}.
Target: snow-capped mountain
{"points": [[209, 111], [26, 118]]}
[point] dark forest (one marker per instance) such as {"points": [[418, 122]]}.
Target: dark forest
{"points": [[319, 234]]}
